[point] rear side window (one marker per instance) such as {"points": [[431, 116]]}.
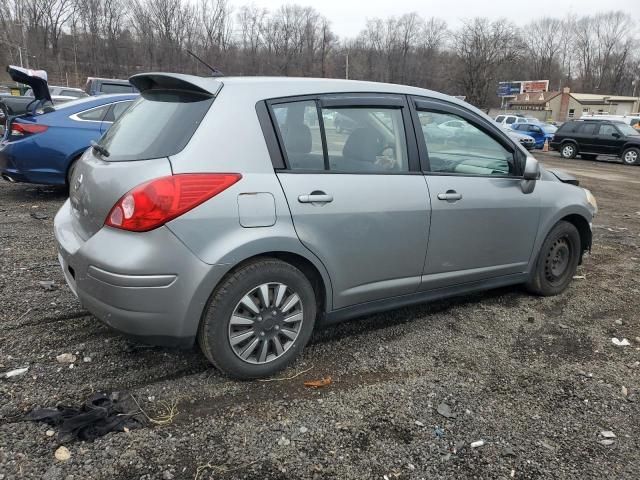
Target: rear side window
{"points": [[116, 111], [300, 133], [159, 124], [115, 88], [346, 139], [94, 115], [499, 118], [587, 128], [367, 139], [510, 120]]}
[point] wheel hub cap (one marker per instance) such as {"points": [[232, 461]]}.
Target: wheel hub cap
{"points": [[265, 323]]}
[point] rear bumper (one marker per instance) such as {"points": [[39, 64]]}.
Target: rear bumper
{"points": [[148, 286]]}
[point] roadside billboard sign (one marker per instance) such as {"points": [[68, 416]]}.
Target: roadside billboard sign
{"points": [[535, 86], [511, 89]]}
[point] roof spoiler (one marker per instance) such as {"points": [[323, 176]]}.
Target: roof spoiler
{"points": [[175, 81]]}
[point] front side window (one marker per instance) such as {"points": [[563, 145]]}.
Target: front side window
{"points": [[510, 120], [607, 130], [345, 139], [467, 150], [500, 118]]}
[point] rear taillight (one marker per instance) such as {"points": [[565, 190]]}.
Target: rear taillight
{"points": [[158, 201], [23, 129]]}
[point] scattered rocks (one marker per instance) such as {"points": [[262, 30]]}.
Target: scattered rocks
{"points": [[284, 441], [618, 322], [607, 434], [47, 284], [606, 442], [167, 475], [66, 358], [418, 423], [16, 373], [62, 454], [477, 444], [86, 359], [624, 391], [304, 429], [49, 433], [39, 216], [445, 411], [620, 343]]}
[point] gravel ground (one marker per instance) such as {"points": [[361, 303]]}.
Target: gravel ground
{"points": [[537, 379]]}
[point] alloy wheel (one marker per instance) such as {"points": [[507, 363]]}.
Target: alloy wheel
{"points": [[567, 151], [631, 157], [265, 323]]}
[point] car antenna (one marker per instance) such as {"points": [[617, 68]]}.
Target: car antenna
{"points": [[215, 71]]}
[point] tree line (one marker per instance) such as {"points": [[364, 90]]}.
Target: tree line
{"points": [[73, 39]]}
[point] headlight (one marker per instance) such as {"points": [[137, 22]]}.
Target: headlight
{"points": [[591, 199]]}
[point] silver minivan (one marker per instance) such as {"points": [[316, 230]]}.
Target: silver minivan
{"points": [[234, 212]]}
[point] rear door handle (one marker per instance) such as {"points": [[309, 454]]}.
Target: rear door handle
{"points": [[451, 195], [316, 197]]}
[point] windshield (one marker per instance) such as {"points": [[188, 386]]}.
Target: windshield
{"points": [[549, 128], [159, 124], [627, 129]]}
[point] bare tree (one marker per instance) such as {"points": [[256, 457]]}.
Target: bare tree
{"points": [[482, 47]]}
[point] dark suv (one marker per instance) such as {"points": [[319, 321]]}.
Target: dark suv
{"points": [[590, 138]]}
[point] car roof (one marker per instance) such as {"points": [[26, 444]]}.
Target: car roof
{"points": [[258, 88]]}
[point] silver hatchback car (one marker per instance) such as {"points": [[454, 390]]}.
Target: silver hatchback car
{"points": [[235, 212]]}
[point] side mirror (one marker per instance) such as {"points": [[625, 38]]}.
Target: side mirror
{"points": [[531, 169], [530, 175]]}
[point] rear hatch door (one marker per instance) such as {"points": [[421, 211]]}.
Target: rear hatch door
{"points": [[137, 147]]}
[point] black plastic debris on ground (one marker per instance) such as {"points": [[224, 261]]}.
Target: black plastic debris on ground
{"points": [[100, 414]]}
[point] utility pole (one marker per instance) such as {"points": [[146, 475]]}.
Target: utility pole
{"points": [[346, 68]]}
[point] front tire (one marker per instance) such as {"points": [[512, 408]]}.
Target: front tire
{"points": [[568, 150], [631, 156], [258, 319], [557, 261]]}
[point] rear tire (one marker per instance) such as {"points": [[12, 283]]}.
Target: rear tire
{"points": [[588, 156], [246, 335], [557, 261], [631, 156], [568, 150]]}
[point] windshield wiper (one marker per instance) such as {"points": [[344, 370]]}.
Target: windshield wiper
{"points": [[99, 148]]}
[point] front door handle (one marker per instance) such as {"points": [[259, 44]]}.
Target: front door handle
{"points": [[316, 197], [450, 196]]}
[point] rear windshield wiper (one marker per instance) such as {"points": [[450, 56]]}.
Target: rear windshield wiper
{"points": [[99, 148]]}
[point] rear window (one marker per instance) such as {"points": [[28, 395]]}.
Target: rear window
{"points": [[159, 124], [115, 88]]}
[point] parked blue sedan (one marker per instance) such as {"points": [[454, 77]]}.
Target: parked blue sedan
{"points": [[539, 131], [41, 147]]}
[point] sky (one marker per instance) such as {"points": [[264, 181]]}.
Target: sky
{"points": [[348, 17]]}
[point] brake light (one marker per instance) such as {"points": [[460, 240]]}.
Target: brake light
{"points": [[158, 201], [23, 129]]}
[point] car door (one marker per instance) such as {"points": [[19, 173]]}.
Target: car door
{"points": [[609, 140], [357, 198], [482, 223]]}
